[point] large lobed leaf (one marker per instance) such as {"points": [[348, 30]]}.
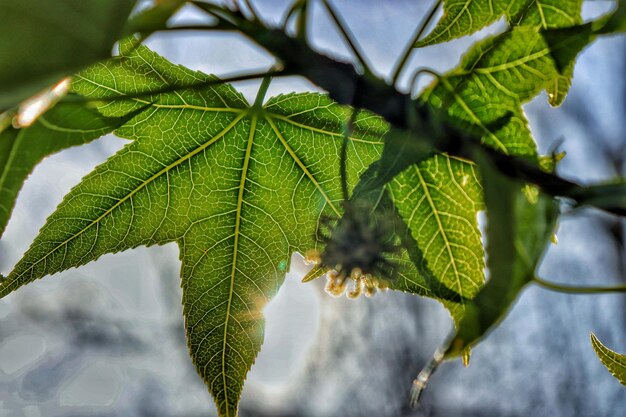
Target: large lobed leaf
{"points": [[238, 189]]}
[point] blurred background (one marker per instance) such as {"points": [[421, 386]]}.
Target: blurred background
{"points": [[107, 339]]}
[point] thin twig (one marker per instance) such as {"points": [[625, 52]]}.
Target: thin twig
{"points": [[217, 27], [421, 381], [348, 37], [419, 73], [253, 11], [411, 45], [293, 9]]}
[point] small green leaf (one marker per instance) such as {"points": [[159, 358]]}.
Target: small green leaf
{"points": [[155, 17], [461, 18], [494, 78], [518, 230], [614, 362], [565, 44], [63, 126], [526, 18], [315, 273], [411, 271], [45, 41]]}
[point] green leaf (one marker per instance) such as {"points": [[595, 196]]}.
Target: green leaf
{"points": [[45, 41], [439, 200], [411, 271], [461, 18], [526, 18], [616, 22], [63, 126], [155, 17], [613, 361], [547, 14], [238, 188], [566, 43], [493, 80], [518, 230]]}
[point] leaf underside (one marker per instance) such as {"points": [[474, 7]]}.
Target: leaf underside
{"points": [[528, 16], [63, 126], [464, 17], [240, 189]]}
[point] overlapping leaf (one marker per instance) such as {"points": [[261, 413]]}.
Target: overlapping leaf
{"points": [[527, 17], [238, 188], [566, 42], [519, 228], [45, 41], [439, 200], [614, 362], [464, 17]]}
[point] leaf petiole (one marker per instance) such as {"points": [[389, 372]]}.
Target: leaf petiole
{"points": [[570, 289], [260, 96]]}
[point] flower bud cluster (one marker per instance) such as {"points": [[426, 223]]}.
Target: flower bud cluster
{"points": [[367, 284]]}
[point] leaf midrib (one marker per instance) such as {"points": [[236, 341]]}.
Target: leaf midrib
{"points": [[442, 231], [511, 64], [322, 131], [242, 183], [473, 116], [608, 354], [447, 29]]}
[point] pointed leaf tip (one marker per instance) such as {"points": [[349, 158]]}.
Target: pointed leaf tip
{"points": [[613, 361]]}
